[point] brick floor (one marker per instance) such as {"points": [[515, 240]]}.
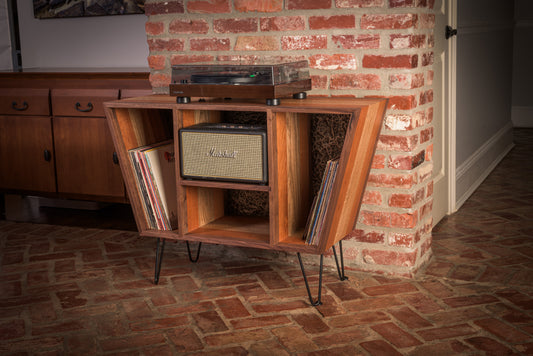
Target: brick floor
{"points": [[87, 291]]}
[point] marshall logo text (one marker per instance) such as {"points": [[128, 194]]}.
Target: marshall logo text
{"points": [[213, 152]]}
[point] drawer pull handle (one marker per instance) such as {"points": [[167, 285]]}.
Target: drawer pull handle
{"points": [[115, 158], [89, 107], [24, 106], [47, 155]]}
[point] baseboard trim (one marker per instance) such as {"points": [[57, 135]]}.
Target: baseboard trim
{"points": [[478, 166], [522, 116]]}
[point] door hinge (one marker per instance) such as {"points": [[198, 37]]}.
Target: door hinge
{"points": [[450, 32]]}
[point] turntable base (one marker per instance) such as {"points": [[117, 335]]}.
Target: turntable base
{"points": [[271, 93], [261, 81]]}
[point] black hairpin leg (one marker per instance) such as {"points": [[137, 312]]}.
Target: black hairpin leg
{"points": [[197, 252], [342, 276], [158, 258], [319, 299]]}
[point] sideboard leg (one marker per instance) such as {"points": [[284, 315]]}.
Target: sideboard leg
{"points": [[194, 260], [158, 258], [319, 299], [340, 270]]}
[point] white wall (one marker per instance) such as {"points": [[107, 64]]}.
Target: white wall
{"points": [[522, 65], [484, 90], [6, 58], [83, 42]]}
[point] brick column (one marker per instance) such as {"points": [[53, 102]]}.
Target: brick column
{"points": [[356, 48]]}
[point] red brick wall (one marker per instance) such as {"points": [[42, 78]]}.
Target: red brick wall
{"points": [[355, 48]]}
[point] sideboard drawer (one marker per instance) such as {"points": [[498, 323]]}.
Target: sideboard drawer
{"points": [[24, 101], [81, 102]]}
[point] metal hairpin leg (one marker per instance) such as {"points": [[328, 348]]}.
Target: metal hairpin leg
{"points": [[342, 276], [340, 270], [319, 299], [158, 258], [197, 252]]}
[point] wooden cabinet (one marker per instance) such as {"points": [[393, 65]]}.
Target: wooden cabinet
{"points": [[26, 149], [86, 162], [54, 137], [203, 212], [26, 140]]}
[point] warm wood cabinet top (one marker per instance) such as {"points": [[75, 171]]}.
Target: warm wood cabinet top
{"points": [[311, 104], [70, 79]]}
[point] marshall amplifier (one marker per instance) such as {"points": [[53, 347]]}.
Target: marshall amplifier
{"points": [[234, 153]]}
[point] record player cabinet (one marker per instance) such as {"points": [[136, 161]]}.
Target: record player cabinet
{"points": [[202, 216]]}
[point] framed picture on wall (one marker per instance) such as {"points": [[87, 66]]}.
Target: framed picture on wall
{"points": [[46, 9]]}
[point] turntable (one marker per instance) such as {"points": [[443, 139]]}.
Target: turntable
{"points": [[262, 81]]}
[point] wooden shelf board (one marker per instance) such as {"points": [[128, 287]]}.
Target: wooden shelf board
{"points": [[238, 227], [212, 233], [310, 105], [224, 185]]}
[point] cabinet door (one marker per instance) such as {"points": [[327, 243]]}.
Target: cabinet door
{"points": [[26, 153], [85, 157]]}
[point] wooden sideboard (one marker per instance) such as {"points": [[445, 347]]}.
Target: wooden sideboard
{"points": [[54, 138], [202, 214], [206, 209]]}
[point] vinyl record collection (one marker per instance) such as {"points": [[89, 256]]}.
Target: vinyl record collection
{"points": [[156, 180], [315, 221]]}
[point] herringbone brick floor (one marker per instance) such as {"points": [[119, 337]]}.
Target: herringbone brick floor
{"points": [[68, 290]]}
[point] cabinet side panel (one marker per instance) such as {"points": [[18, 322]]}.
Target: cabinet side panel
{"points": [[289, 171], [125, 127], [277, 170], [354, 167], [123, 139], [298, 174], [203, 205], [197, 206], [140, 127], [151, 125]]}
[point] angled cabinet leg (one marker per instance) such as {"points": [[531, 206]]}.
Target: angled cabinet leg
{"points": [[340, 270], [319, 298], [158, 258], [194, 260]]}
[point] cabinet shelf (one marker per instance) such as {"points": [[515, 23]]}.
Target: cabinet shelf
{"points": [[224, 185], [234, 227], [215, 211]]}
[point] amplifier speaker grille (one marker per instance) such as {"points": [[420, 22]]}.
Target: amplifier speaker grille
{"points": [[219, 153]]}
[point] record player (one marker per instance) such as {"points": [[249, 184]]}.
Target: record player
{"points": [[261, 81]]}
